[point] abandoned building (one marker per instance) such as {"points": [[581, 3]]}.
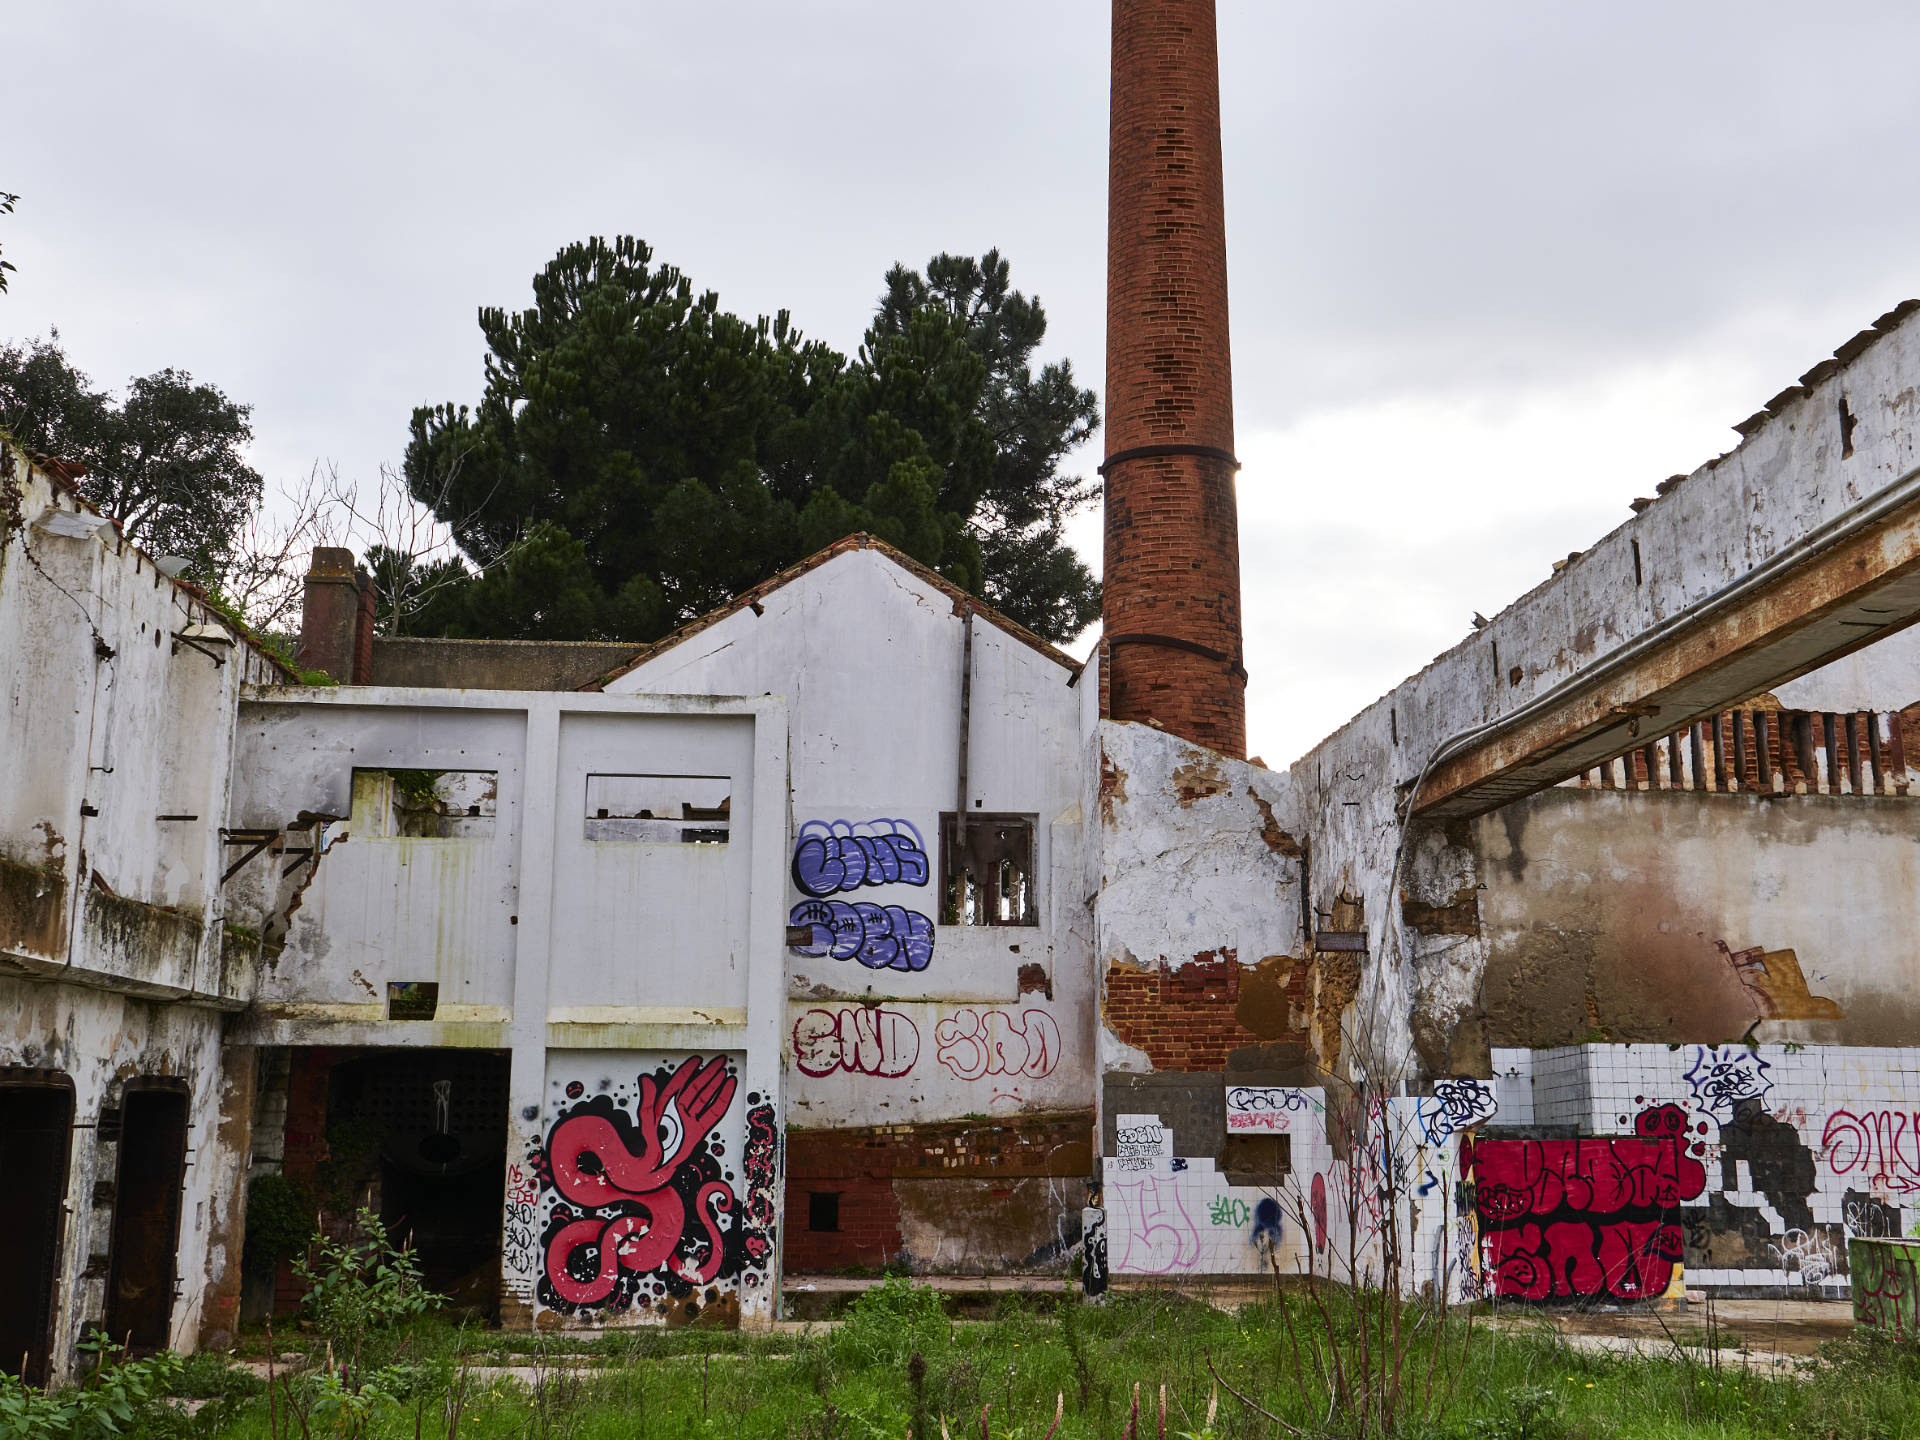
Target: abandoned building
{"points": [[855, 925]]}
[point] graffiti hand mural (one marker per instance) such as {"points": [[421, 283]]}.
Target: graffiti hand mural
{"points": [[973, 1043], [1584, 1219], [831, 857], [880, 937], [861, 1040], [624, 1186], [1455, 1105]]}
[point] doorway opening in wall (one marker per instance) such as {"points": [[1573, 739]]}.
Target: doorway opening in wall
{"points": [[986, 870], [420, 1137], [36, 1133], [144, 1248]]}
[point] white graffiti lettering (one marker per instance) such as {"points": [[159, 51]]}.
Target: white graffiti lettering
{"points": [[974, 1043]]}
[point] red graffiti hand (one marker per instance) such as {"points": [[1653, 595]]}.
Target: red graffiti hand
{"points": [[591, 1163]]}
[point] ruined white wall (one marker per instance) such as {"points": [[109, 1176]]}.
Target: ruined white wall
{"points": [[868, 657], [101, 1040], [1787, 477], [116, 728], [594, 949]]}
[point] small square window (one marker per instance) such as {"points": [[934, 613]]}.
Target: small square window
{"points": [[1258, 1159], [823, 1211], [412, 999], [986, 870]]}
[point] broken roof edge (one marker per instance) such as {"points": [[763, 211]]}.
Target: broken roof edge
{"points": [[847, 545], [1752, 430], [65, 488]]}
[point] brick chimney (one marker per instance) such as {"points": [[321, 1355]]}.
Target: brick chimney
{"points": [[1172, 576], [330, 615]]}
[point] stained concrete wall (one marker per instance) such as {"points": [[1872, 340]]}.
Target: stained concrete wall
{"points": [[1683, 917], [1792, 472], [115, 739], [429, 664]]}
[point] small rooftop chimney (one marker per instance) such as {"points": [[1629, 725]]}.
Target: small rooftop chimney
{"points": [[330, 619], [1172, 576]]}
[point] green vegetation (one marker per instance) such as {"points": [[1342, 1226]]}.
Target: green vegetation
{"points": [[898, 1361], [638, 455]]}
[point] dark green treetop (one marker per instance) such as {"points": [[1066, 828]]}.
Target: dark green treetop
{"points": [[168, 461], [640, 455]]}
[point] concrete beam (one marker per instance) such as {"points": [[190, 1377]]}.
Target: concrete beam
{"points": [[1845, 595]]}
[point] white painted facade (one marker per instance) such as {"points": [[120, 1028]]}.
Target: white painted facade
{"points": [[867, 654], [121, 688]]}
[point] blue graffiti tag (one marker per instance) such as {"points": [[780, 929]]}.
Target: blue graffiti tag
{"points": [[833, 856], [880, 937], [1266, 1225]]}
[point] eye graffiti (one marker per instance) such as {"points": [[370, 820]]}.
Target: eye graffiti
{"points": [[641, 1205]]}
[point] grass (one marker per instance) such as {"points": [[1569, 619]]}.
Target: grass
{"points": [[860, 1379]]}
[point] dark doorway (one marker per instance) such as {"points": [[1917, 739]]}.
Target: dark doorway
{"points": [[146, 1217], [435, 1124], [36, 1127]]}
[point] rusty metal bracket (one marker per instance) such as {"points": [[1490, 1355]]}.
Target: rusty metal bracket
{"points": [[259, 839], [180, 637]]}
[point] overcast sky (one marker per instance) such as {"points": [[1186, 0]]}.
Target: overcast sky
{"points": [[1497, 268]]}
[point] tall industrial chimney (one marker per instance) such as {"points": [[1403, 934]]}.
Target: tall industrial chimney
{"points": [[1172, 581]]}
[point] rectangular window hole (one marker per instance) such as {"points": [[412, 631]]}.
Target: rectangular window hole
{"points": [[412, 999], [823, 1211], [1258, 1159], [663, 809], [424, 804], [987, 873]]}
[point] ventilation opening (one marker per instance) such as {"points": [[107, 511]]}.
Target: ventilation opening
{"points": [[987, 873], [663, 809], [1636, 562], [36, 1123], [1847, 422], [146, 1218], [412, 999], [823, 1212]]}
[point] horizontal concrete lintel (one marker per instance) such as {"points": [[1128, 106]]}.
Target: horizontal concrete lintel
{"points": [[18, 966], [647, 1015], [1837, 602], [258, 1028], [647, 1037]]}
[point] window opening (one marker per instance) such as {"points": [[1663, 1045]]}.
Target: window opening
{"points": [[823, 1211], [664, 809], [987, 871], [1259, 1159], [424, 804]]}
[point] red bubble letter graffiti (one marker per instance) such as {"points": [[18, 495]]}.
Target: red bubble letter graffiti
{"points": [[863, 1040]]}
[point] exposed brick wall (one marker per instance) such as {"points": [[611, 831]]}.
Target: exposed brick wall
{"points": [[1172, 567], [1189, 1019], [861, 1165], [869, 1233]]}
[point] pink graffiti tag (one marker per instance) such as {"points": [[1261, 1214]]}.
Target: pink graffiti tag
{"points": [[1878, 1146], [594, 1166], [974, 1043], [863, 1040], [1156, 1233]]}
